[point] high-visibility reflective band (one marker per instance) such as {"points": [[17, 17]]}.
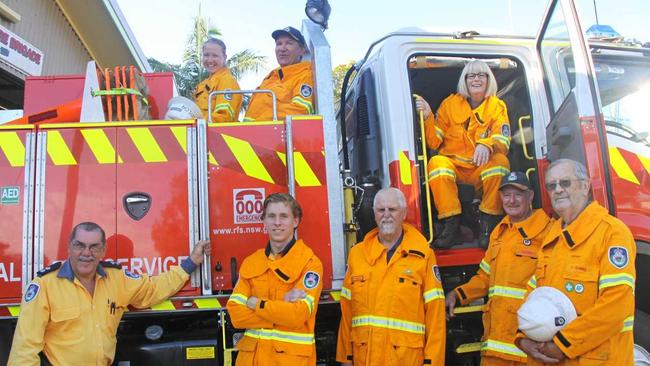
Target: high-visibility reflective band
{"points": [[615, 280], [442, 172], [225, 107], [502, 139], [485, 266], [628, 324], [433, 294], [309, 300], [532, 282], [346, 293], [238, 298], [278, 335], [248, 119], [511, 292], [492, 172], [502, 347], [439, 133], [304, 103], [389, 323]]}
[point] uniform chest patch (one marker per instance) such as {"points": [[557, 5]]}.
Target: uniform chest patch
{"points": [[310, 280], [618, 257], [505, 130], [436, 273], [32, 292], [132, 275], [305, 90]]}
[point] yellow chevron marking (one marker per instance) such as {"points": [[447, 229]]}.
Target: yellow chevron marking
{"points": [[469, 347], [645, 161], [247, 158], [180, 133], [14, 310], [404, 168], [621, 167], [210, 303], [100, 145], [146, 145], [336, 295], [58, 150], [211, 159], [305, 176], [165, 305], [13, 148], [468, 309]]}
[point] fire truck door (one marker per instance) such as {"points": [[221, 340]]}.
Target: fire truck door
{"points": [[16, 199], [577, 129]]}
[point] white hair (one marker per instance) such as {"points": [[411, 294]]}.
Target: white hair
{"points": [[472, 67]]}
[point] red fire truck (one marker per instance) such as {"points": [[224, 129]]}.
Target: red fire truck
{"points": [[158, 186]]}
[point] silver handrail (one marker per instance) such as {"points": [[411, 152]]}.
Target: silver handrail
{"points": [[259, 91]]}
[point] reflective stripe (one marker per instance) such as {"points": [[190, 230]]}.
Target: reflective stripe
{"points": [[485, 266], [238, 298], [442, 172], [249, 119], [346, 293], [502, 347], [532, 282], [628, 324], [304, 103], [225, 107], [389, 323], [492, 172], [433, 294], [278, 335], [439, 133], [309, 300], [502, 139], [511, 292], [615, 280], [460, 158]]}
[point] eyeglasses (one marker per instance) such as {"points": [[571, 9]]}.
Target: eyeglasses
{"points": [[480, 75], [81, 247], [564, 183]]}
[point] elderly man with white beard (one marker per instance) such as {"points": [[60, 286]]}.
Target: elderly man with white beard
{"points": [[392, 303]]}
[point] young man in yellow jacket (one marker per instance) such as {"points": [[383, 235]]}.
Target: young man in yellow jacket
{"points": [[508, 264], [276, 297], [589, 255], [392, 303], [292, 82]]}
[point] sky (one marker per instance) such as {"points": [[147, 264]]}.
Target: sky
{"points": [[161, 27]]}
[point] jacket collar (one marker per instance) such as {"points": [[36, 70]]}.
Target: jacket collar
{"points": [[580, 229], [412, 242], [66, 271]]}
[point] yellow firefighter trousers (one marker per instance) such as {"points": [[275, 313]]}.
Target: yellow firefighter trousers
{"points": [[444, 172]]}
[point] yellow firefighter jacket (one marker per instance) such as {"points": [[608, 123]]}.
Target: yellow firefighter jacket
{"points": [[225, 107], [277, 332]]}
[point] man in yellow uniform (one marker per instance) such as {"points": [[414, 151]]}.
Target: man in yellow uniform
{"points": [[72, 309], [471, 132], [589, 255], [509, 262], [292, 82], [276, 297], [392, 303], [225, 107]]}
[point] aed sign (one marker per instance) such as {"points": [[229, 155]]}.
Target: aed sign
{"points": [[10, 195], [247, 205], [20, 54]]}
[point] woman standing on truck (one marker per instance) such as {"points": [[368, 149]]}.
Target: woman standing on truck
{"points": [[225, 107], [471, 132]]}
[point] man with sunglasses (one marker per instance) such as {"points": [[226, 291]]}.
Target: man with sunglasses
{"points": [[589, 255], [70, 312]]}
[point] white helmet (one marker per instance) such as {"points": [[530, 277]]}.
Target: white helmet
{"points": [[545, 312], [182, 108]]}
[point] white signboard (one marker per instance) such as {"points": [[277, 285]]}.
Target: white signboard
{"points": [[19, 53]]}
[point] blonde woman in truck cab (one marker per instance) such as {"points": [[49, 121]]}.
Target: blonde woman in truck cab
{"points": [[225, 107], [471, 132]]}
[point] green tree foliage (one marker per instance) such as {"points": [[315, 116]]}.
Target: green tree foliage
{"points": [[338, 73]]}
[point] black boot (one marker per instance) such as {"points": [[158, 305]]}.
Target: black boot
{"points": [[449, 234], [487, 223]]}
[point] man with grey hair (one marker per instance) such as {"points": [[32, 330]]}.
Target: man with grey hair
{"points": [[589, 255], [392, 303]]}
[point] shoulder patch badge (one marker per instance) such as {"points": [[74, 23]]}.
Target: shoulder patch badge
{"points": [[311, 280], [32, 291], [130, 274], [227, 96], [505, 130], [618, 257], [436, 273], [305, 90]]}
